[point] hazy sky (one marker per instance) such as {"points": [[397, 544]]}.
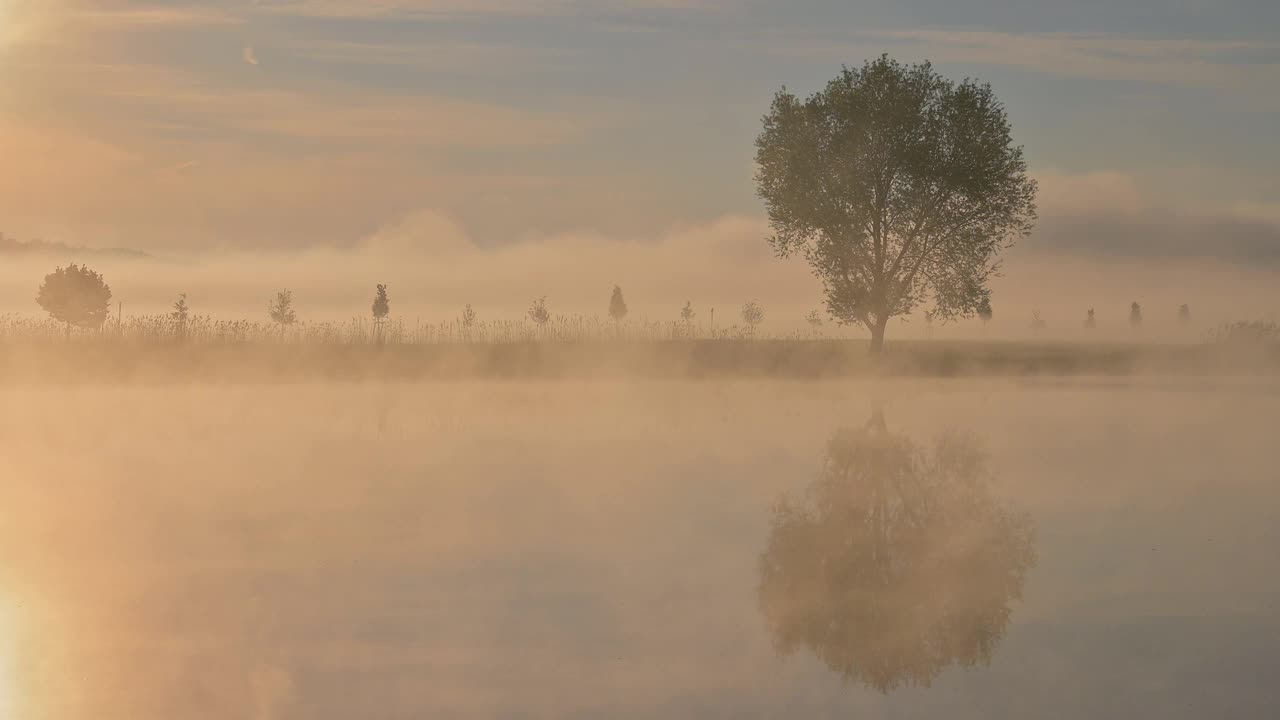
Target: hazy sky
{"points": [[266, 123]]}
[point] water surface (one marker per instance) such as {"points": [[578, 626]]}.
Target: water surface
{"points": [[602, 549]]}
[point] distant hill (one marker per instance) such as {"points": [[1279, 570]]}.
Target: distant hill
{"points": [[11, 246]]}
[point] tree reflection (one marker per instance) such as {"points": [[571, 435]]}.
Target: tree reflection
{"points": [[897, 562]]}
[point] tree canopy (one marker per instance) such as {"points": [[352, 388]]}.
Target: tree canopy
{"points": [[75, 296], [281, 309], [617, 305], [381, 303], [898, 186]]}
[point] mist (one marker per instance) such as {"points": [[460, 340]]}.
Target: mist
{"points": [[638, 359], [434, 267]]}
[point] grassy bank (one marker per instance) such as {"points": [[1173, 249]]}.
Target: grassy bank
{"points": [[104, 361]]}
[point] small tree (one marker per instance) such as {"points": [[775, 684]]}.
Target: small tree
{"points": [[381, 309], [1135, 315], [538, 312], [984, 311], [815, 320], [898, 186], [1184, 314], [179, 317], [1090, 322], [381, 304], [468, 317], [1037, 324], [281, 310], [752, 315], [687, 315], [617, 306], [75, 296], [928, 323]]}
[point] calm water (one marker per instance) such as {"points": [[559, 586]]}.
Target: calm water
{"points": [[737, 549]]}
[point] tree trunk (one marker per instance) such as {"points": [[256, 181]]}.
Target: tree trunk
{"points": [[68, 330], [877, 335]]}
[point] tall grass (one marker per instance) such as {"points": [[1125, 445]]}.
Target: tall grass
{"points": [[205, 329]]}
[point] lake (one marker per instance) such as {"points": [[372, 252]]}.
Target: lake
{"points": [[1058, 548]]}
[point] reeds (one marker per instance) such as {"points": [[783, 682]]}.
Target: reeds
{"points": [[208, 330]]}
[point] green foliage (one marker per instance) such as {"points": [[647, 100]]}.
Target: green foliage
{"points": [[75, 296], [897, 185]]}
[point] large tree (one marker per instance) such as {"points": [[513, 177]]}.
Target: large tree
{"points": [[899, 187], [75, 295]]}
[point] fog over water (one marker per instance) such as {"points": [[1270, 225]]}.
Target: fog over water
{"points": [[596, 548], [490, 359]]}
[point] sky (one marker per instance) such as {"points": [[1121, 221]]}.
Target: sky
{"points": [[267, 124]]}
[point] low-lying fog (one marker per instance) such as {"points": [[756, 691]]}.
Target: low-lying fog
{"points": [[1072, 548], [433, 269]]}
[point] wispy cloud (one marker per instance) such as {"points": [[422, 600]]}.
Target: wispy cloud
{"points": [[352, 9], [1164, 60]]}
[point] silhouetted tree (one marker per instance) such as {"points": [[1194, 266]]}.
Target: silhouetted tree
{"points": [[1090, 322], [468, 316], [617, 306], [1184, 314], [896, 185], [281, 310], [752, 315], [179, 317], [928, 323], [1037, 324], [538, 311], [897, 562], [686, 317], [75, 296], [381, 304], [814, 319], [1135, 315], [381, 309], [984, 311]]}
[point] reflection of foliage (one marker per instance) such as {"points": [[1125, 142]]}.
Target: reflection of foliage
{"points": [[898, 563]]}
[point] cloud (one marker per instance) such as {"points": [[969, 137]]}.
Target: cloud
{"points": [[1160, 234], [250, 57], [1089, 191], [372, 9], [1106, 214], [1103, 56]]}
